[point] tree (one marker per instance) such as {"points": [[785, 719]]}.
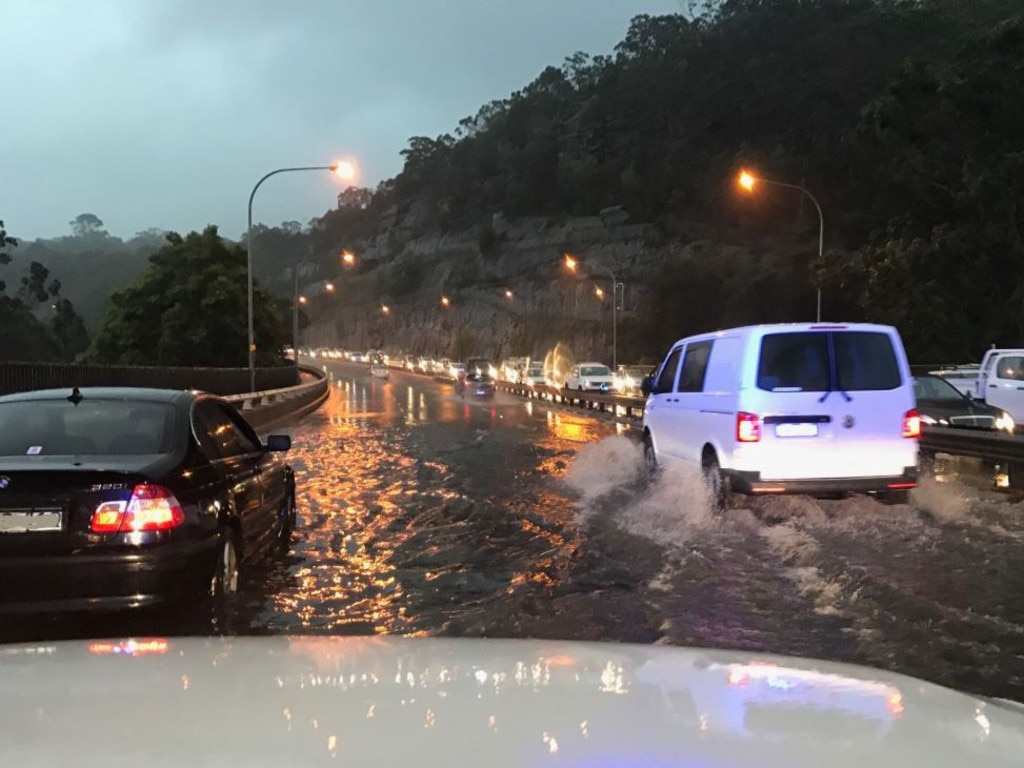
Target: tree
{"points": [[189, 308], [85, 224], [38, 325]]}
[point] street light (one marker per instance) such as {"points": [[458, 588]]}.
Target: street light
{"points": [[445, 302], [571, 264], [348, 257], [344, 170], [509, 295], [385, 309], [748, 181], [329, 287]]}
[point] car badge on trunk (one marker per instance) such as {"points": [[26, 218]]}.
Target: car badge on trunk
{"points": [[848, 421], [5, 481]]}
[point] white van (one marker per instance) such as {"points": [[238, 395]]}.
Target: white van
{"points": [[798, 408]]}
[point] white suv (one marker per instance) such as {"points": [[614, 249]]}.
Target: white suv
{"points": [[595, 377], [797, 408]]}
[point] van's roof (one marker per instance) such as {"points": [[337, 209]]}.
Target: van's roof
{"points": [[765, 328]]}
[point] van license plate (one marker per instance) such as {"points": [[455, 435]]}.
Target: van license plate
{"points": [[796, 430]]}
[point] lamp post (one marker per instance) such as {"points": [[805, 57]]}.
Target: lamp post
{"points": [[345, 170], [748, 181], [618, 288]]}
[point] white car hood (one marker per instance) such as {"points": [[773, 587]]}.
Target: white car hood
{"points": [[428, 702]]}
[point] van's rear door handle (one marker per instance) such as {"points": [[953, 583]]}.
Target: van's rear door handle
{"points": [[991, 386]]}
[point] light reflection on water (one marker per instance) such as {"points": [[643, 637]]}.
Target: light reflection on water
{"points": [[416, 506]]}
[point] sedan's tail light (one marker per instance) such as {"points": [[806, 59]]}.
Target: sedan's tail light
{"points": [[748, 427], [150, 508], [912, 423]]}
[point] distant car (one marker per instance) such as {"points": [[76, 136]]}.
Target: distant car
{"points": [[532, 376], [481, 364], [423, 365], [456, 370], [628, 379], [477, 384], [941, 403], [590, 377], [119, 498], [409, 363]]}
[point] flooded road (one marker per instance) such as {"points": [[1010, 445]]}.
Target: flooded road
{"points": [[424, 514]]}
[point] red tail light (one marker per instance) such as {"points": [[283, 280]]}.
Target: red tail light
{"points": [[748, 427], [150, 508], [912, 424]]}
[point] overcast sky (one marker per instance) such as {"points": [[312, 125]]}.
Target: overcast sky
{"points": [[164, 113]]}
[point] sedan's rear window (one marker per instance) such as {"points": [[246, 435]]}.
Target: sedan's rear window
{"points": [[91, 428], [595, 370], [805, 362]]}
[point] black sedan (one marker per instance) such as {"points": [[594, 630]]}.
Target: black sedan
{"points": [[117, 498], [942, 404]]}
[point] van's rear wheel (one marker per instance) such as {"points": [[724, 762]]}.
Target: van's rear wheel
{"points": [[716, 482], [650, 458]]}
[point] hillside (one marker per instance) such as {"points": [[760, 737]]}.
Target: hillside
{"points": [[904, 119]]}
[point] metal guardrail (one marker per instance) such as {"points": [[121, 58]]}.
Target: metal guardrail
{"points": [[271, 406], [618, 405], [267, 397]]}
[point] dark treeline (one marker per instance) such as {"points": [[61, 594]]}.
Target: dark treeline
{"points": [[905, 118]]}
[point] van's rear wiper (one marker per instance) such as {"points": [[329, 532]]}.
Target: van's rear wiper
{"points": [[829, 391]]}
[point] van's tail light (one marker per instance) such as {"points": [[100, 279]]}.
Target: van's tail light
{"points": [[150, 508], [912, 423], [748, 427]]}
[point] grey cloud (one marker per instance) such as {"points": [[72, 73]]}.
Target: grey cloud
{"points": [[165, 113]]}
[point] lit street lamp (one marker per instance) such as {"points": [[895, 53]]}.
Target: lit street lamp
{"points": [[571, 264], [348, 257], [344, 170], [748, 181]]}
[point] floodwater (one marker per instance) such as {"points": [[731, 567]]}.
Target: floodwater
{"points": [[425, 514]]}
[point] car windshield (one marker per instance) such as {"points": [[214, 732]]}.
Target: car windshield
{"points": [[229, 224], [934, 388], [88, 428]]}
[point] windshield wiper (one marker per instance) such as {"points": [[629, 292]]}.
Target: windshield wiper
{"points": [[829, 391]]}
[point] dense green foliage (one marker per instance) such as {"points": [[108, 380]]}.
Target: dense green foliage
{"points": [[189, 307], [904, 118], [38, 324]]}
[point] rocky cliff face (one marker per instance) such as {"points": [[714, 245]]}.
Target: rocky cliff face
{"points": [[474, 269]]}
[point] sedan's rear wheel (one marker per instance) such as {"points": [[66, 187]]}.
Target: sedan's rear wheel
{"points": [[225, 574]]}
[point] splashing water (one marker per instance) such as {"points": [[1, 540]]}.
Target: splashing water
{"points": [[557, 363], [790, 545], [674, 507], [947, 503], [601, 467]]}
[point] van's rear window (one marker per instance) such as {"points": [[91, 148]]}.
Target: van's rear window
{"points": [[90, 428], [803, 362]]}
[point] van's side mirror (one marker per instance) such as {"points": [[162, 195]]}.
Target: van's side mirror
{"points": [[279, 442], [647, 385]]}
